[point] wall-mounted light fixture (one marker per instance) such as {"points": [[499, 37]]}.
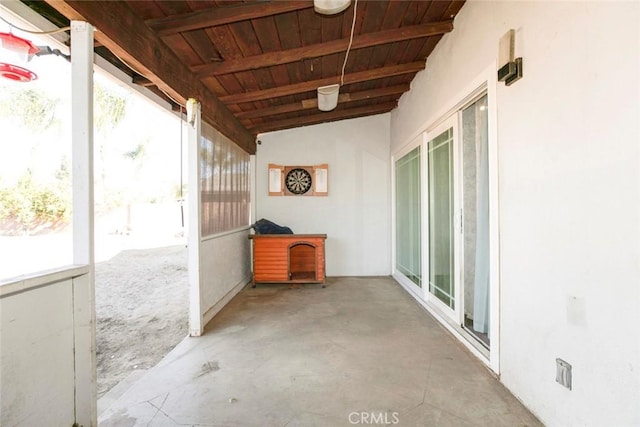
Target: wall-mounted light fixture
{"points": [[330, 7], [15, 53], [509, 68]]}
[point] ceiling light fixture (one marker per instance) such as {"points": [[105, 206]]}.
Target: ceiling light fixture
{"points": [[15, 53], [330, 7], [328, 95]]}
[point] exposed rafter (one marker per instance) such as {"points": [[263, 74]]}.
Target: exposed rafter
{"points": [[141, 47], [361, 76], [325, 117], [142, 81], [321, 49], [256, 64], [313, 102], [222, 15]]}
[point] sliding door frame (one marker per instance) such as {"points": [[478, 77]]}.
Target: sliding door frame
{"points": [[484, 83], [409, 285], [450, 123]]}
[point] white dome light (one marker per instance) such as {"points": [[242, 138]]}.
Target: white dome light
{"points": [[330, 7]]}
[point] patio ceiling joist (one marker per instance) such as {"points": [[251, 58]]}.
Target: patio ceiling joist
{"points": [[223, 15], [326, 117], [322, 49], [310, 103], [357, 77], [128, 37]]}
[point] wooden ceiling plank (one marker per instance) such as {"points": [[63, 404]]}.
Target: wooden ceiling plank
{"points": [[331, 30], [435, 11], [169, 7], [321, 49], [288, 26], [347, 22], [199, 45], [429, 45], [146, 9], [415, 12], [249, 44], [229, 46], [275, 92], [374, 16], [267, 34], [313, 102], [215, 86], [325, 117], [222, 15], [122, 32], [453, 9], [311, 35], [393, 17], [394, 14]]}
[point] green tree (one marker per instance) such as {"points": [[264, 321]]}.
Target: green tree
{"points": [[109, 109], [30, 107], [28, 205]]}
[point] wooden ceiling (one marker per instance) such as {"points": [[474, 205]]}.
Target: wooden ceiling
{"points": [[255, 65]]}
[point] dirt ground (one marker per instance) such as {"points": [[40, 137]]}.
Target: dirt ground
{"points": [[142, 301]]}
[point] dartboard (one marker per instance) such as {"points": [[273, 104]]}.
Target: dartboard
{"points": [[298, 181]]}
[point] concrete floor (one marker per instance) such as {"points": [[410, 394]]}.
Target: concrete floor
{"points": [[359, 352]]}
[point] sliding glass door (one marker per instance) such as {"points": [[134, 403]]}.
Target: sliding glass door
{"points": [[458, 218], [408, 217], [441, 217], [442, 220], [475, 192]]}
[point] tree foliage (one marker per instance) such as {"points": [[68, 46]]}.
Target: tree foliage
{"points": [[109, 110], [28, 204], [30, 107]]}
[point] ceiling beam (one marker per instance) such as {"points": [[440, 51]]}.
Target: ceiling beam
{"points": [[325, 117], [141, 81], [322, 49], [125, 34], [222, 15], [360, 76], [308, 104]]}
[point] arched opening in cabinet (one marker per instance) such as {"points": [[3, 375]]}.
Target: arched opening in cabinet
{"points": [[303, 262]]}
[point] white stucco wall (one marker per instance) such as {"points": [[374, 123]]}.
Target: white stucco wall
{"points": [[356, 213], [569, 162]]}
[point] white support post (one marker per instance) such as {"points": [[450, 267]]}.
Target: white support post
{"points": [[83, 240], [193, 198]]}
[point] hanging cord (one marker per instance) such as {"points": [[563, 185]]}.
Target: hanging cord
{"points": [[181, 171], [353, 26], [59, 30]]}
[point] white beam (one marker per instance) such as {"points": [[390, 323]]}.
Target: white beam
{"points": [[83, 222], [194, 239]]}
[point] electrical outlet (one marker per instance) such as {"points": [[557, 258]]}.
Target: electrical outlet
{"points": [[563, 373]]}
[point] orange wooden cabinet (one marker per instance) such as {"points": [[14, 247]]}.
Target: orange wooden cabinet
{"points": [[288, 258]]}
